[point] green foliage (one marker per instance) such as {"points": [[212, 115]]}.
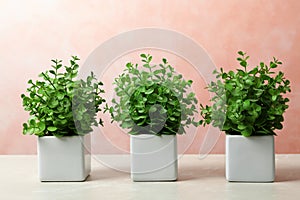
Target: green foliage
{"points": [[246, 102], [59, 105], [153, 100]]}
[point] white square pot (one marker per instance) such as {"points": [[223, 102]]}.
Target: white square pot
{"points": [[250, 159], [64, 159], [153, 158]]}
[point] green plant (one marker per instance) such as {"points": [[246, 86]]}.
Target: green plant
{"points": [[59, 105], [153, 99], [248, 102]]}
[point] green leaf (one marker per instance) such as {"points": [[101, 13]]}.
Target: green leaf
{"points": [[247, 132], [61, 116], [139, 117], [53, 103], [243, 63], [164, 61], [273, 65], [258, 108], [231, 73], [241, 53], [52, 72], [42, 126], [51, 128], [153, 109], [246, 104], [158, 71], [241, 127], [149, 91], [60, 96]]}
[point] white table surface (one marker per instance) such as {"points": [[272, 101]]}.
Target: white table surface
{"points": [[198, 179]]}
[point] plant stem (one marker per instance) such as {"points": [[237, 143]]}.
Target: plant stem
{"points": [[48, 80]]}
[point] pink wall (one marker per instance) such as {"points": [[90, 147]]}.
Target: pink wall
{"points": [[33, 32]]}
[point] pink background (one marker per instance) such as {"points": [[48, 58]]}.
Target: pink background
{"points": [[33, 32]]}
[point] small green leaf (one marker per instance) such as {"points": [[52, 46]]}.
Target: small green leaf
{"points": [[51, 128], [273, 65], [42, 126], [247, 132], [52, 72], [243, 63], [153, 109], [241, 53], [60, 96], [241, 127], [246, 104], [149, 91]]}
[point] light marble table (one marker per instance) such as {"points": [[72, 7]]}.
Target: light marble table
{"points": [[198, 179]]}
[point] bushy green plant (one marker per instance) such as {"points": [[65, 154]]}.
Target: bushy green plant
{"points": [[153, 99], [59, 105], [248, 102]]}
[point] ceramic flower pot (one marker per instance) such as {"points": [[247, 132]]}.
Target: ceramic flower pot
{"points": [[64, 159], [250, 159], [153, 158]]}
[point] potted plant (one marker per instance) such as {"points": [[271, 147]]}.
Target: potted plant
{"points": [[63, 111], [249, 106], [154, 105]]}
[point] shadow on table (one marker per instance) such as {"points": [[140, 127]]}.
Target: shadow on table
{"points": [[107, 174], [184, 173], [198, 172], [287, 174]]}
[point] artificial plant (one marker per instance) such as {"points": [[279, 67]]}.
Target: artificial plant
{"points": [[153, 99], [248, 101], [59, 104]]}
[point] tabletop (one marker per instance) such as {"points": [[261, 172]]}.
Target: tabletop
{"points": [[197, 179]]}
